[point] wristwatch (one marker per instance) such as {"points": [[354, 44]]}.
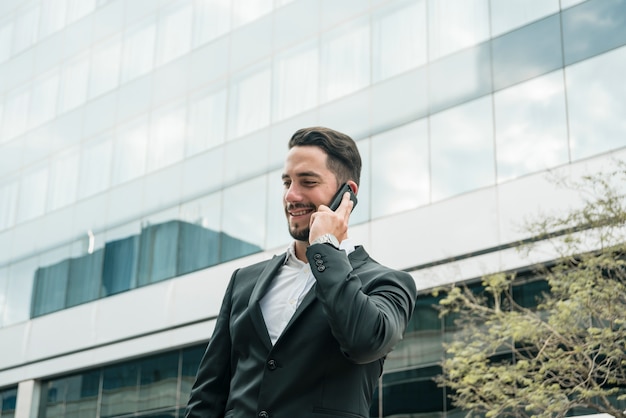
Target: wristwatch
{"points": [[327, 239]]}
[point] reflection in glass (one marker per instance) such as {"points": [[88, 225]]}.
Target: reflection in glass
{"points": [[105, 66], [85, 276], [527, 52], [277, 231], [250, 103], [4, 282], [8, 203], [345, 61], [52, 17], [138, 52], [456, 24], [95, 167], [19, 291], [399, 39], [174, 34], [74, 83], [77, 9], [119, 389], [6, 36], [211, 19], [207, 122], [15, 113], [448, 86], [462, 149], [63, 180], [592, 28], [44, 99], [296, 81], [245, 11], [158, 381], [130, 153], [49, 288], [25, 29], [167, 142], [596, 106], [82, 395], [33, 188], [244, 214], [531, 131], [510, 14], [400, 169]]}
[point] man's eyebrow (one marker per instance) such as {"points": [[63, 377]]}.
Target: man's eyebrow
{"points": [[302, 174]]}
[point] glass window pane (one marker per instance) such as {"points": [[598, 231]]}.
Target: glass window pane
{"points": [[596, 106], [63, 180], [207, 122], [119, 389], [345, 61], [52, 17], [44, 99], [6, 37], [33, 187], [8, 203], [4, 282], [8, 398], [130, 154], [531, 131], [448, 86], [528, 52], [77, 9], [510, 14], [19, 291], [82, 395], [245, 11], [400, 177], [158, 252], [158, 381], [105, 67], [277, 231], [243, 230], [138, 56], [167, 141], [296, 75], [95, 167], [26, 29], [592, 28], [15, 113], [85, 276], [456, 24], [119, 271], [50, 288], [462, 149], [211, 19], [74, 84], [174, 34], [399, 39], [250, 103]]}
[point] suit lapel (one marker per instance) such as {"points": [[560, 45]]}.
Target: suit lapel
{"points": [[264, 280]]}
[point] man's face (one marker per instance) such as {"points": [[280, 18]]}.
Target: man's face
{"points": [[308, 183]]}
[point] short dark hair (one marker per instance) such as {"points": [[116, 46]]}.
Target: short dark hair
{"points": [[343, 160]]}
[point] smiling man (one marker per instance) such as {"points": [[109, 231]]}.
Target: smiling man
{"points": [[306, 333]]}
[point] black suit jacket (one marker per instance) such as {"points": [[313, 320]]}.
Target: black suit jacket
{"points": [[327, 361]]}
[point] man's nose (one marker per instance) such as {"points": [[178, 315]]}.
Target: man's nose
{"points": [[293, 193]]}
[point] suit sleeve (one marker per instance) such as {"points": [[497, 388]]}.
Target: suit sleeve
{"points": [[367, 319], [211, 388]]}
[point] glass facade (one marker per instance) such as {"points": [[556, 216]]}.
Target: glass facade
{"points": [[144, 140], [8, 397]]}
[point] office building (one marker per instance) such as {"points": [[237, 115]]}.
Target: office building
{"points": [[141, 147]]}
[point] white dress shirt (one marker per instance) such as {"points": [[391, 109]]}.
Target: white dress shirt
{"points": [[293, 281]]}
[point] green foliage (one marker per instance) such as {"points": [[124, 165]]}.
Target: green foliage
{"points": [[569, 351]]}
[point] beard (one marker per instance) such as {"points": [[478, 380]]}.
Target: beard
{"points": [[299, 234]]}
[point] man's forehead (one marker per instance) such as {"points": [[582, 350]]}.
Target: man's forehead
{"points": [[307, 173]]}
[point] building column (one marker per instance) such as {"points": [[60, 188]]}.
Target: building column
{"points": [[28, 395]]}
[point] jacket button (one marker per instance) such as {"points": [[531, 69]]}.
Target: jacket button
{"points": [[263, 414], [321, 268], [317, 256], [271, 364]]}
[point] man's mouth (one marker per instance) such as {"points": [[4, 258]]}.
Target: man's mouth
{"points": [[300, 211]]}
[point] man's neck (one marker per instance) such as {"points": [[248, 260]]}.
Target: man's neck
{"points": [[300, 249]]}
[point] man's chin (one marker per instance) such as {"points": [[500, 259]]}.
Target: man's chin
{"points": [[299, 234]]}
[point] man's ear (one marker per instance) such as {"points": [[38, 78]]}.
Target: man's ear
{"points": [[353, 186]]}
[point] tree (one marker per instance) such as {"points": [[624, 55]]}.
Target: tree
{"points": [[568, 351]]}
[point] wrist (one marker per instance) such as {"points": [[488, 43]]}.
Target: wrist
{"points": [[327, 239]]}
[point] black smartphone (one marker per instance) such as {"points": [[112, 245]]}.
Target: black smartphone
{"points": [[334, 204]]}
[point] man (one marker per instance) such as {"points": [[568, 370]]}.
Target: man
{"points": [[306, 333]]}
